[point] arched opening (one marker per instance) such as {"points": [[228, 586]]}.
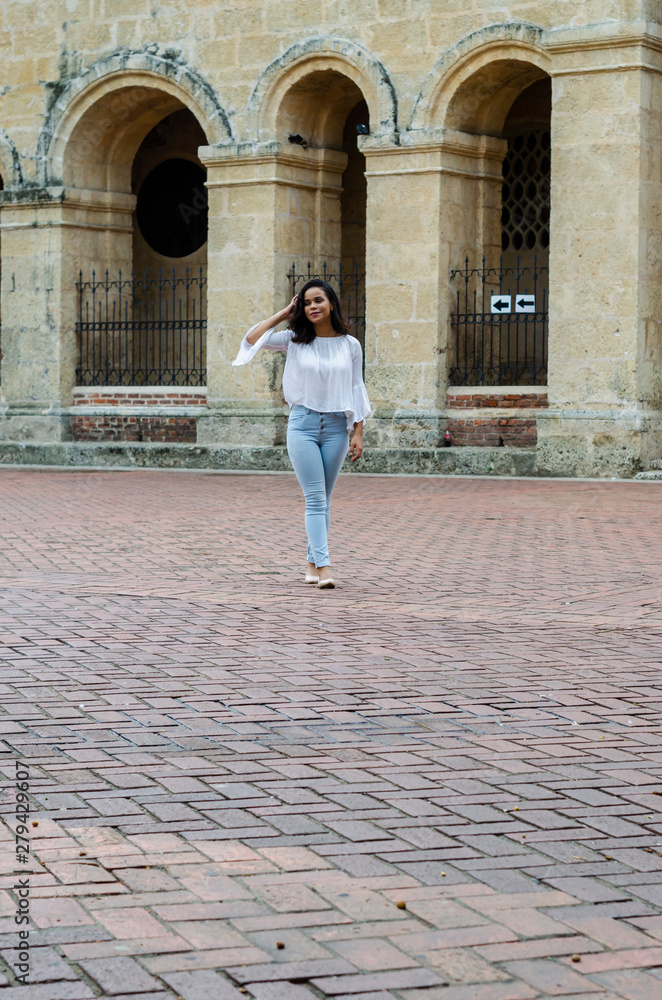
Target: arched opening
{"points": [[500, 255], [168, 179], [526, 191], [354, 187], [170, 252], [132, 154], [322, 116]]}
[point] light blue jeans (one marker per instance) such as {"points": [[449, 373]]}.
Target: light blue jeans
{"points": [[317, 444]]}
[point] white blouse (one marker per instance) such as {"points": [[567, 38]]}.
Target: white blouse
{"points": [[325, 375]]}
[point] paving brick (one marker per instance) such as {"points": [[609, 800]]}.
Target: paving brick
{"points": [[462, 937], [294, 858], [66, 912], [143, 880], [163, 945], [633, 959], [630, 984], [289, 945], [209, 958], [541, 948], [445, 913], [208, 934], [609, 932], [50, 991], [550, 977], [130, 923], [393, 980], [372, 995], [476, 991], [590, 890], [291, 898], [278, 991], [119, 975], [202, 985], [285, 971], [360, 904], [373, 954], [461, 965], [46, 966]]}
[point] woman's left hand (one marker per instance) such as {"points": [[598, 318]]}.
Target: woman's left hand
{"points": [[355, 446]]}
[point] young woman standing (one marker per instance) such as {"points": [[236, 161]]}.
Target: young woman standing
{"points": [[323, 384]]}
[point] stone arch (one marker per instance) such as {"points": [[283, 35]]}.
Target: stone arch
{"points": [[473, 85], [11, 169], [99, 120], [334, 58]]}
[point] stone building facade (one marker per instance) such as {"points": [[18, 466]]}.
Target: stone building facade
{"points": [[482, 180]]}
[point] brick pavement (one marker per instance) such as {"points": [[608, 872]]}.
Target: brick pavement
{"points": [[440, 780]]}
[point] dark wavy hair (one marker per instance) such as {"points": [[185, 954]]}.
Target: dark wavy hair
{"points": [[303, 329]]}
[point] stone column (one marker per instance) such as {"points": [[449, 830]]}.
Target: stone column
{"points": [[431, 202], [604, 333], [48, 236], [269, 206]]}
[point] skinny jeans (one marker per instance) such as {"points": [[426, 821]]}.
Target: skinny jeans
{"points": [[317, 444]]}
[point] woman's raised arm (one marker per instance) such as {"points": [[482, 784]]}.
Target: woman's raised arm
{"points": [[269, 324]]}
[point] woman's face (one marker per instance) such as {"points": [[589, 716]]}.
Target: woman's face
{"points": [[316, 306]]}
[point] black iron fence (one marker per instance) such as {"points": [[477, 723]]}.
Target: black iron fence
{"points": [[499, 324], [142, 331], [348, 281]]}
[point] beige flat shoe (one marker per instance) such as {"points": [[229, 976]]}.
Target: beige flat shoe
{"points": [[311, 579], [327, 584]]}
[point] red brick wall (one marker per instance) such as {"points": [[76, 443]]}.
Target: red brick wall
{"points": [[493, 433], [504, 428], [106, 427], [498, 400], [141, 397]]}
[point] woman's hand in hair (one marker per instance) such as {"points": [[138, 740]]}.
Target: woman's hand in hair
{"points": [[284, 316], [289, 311]]}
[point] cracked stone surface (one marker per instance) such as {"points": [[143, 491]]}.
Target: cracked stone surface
{"points": [[440, 780]]}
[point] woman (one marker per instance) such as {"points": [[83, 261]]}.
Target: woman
{"points": [[323, 383]]}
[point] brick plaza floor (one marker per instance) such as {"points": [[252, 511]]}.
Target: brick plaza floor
{"points": [[440, 781]]}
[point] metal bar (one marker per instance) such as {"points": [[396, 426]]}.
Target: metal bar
{"points": [[535, 297]]}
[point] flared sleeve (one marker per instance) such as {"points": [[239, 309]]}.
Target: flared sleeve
{"points": [[360, 402], [272, 340]]}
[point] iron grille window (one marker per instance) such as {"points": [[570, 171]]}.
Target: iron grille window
{"points": [[349, 283], [499, 325], [142, 331], [526, 193]]}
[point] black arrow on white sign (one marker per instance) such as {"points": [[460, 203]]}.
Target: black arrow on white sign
{"points": [[500, 303], [525, 303]]}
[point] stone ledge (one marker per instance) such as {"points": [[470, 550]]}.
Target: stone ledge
{"points": [[139, 411], [649, 477], [424, 461]]}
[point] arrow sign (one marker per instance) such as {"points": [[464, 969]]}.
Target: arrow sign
{"points": [[525, 303], [501, 303]]}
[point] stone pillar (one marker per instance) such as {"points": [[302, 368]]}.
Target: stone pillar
{"points": [[604, 333], [431, 202], [48, 236], [269, 205]]}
